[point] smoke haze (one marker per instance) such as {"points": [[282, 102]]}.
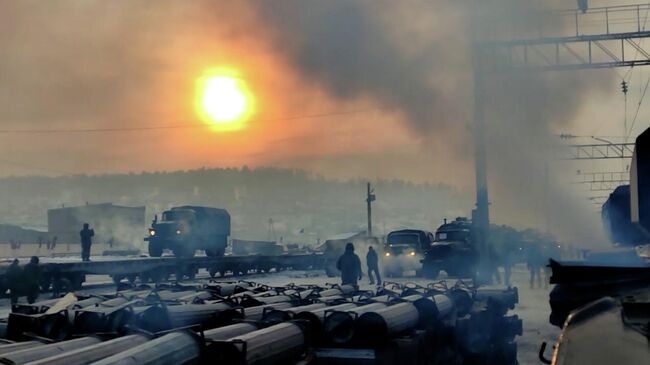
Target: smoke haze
{"points": [[405, 66]]}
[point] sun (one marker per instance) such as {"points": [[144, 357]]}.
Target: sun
{"points": [[223, 101]]}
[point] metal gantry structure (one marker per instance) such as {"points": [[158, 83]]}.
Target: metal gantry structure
{"points": [[598, 151], [603, 37]]}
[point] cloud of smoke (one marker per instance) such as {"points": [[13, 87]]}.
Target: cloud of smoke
{"points": [[415, 56], [102, 64]]}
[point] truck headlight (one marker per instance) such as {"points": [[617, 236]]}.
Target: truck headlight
{"points": [[412, 253], [178, 231], [152, 232], [387, 254]]}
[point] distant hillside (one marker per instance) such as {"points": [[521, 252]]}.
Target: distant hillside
{"points": [[303, 207]]}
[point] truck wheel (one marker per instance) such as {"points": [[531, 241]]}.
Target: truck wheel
{"points": [[155, 250], [210, 253]]}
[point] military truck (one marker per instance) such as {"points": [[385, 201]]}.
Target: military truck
{"points": [[452, 251], [185, 229], [404, 249]]}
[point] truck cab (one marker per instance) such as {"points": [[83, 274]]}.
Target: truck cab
{"points": [[403, 250], [185, 229], [452, 250]]}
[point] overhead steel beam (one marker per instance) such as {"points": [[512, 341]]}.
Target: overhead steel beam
{"points": [[597, 151], [603, 38], [604, 176]]}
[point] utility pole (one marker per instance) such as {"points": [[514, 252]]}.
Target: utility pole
{"points": [[480, 215], [370, 197]]}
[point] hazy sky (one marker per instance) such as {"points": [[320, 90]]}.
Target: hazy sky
{"points": [[389, 81]]}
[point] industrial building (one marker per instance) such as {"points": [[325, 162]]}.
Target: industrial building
{"points": [[113, 224]]}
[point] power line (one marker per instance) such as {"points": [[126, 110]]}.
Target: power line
{"points": [[172, 126]]}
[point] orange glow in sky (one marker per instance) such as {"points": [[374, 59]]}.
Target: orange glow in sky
{"points": [[223, 101]]}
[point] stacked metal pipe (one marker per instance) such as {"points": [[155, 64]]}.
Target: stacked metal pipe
{"points": [[32, 354], [247, 323]]}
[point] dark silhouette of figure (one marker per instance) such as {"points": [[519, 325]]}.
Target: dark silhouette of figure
{"points": [[32, 279], [373, 265], [13, 276], [86, 235], [506, 254], [535, 260], [350, 266]]}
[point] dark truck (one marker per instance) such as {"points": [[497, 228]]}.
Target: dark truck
{"points": [[452, 251], [404, 249], [189, 228]]}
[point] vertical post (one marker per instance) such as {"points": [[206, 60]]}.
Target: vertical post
{"points": [[547, 212], [480, 215], [370, 197]]}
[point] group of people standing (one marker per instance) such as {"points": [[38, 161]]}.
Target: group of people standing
{"points": [[26, 281], [350, 266]]}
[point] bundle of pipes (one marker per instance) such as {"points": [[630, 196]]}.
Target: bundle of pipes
{"points": [[503, 298], [168, 295], [196, 297], [252, 301], [176, 348], [104, 319], [228, 289], [17, 346], [486, 332], [431, 309], [231, 331], [94, 352], [162, 318], [34, 308], [339, 326], [377, 326], [316, 317], [275, 344], [32, 354], [50, 325], [256, 313], [284, 314]]}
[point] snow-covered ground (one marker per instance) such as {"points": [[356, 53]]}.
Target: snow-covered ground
{"points": [[533, 305]]}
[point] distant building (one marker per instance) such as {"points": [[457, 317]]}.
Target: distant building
{"points": [[12, 233], [114, 224]]}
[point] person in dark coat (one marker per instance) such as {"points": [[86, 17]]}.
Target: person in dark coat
{"points": [[13, 277], [535, 261], [373, 265], [350, 266], [86, 235], [32, 279]]}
